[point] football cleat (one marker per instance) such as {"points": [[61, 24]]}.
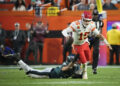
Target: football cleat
{"points": [[95, 71]]}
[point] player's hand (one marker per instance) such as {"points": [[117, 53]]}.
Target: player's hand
{"points": [[110, 47]]}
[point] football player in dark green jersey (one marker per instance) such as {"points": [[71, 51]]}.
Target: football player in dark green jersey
{"points": [[69, 68]]}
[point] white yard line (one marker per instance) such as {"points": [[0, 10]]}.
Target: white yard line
{"points": [[75, 82], [64, 82], [46, 66]]}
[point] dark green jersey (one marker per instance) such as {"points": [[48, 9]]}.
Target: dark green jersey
{"points": [[58, 73]]}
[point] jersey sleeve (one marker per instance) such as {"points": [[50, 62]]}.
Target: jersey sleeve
{"points": [[73, 26], [69, 29]]}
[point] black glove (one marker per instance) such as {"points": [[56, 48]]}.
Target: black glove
{"points": [[76, 58]]}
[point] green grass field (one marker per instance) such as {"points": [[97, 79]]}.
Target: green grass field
{"points": [[107, 76]]}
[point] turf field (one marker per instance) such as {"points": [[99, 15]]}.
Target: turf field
{"points": [[107, 76]]}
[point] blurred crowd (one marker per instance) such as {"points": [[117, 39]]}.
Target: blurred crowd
{"points": [[34, 36], [22, 5]]}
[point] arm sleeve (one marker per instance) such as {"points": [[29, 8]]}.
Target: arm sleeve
{"points": [[68, 30]]}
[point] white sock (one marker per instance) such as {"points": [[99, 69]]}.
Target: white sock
{"points": [[85, 71], [85, 67], [43, 70], [24, 66]]}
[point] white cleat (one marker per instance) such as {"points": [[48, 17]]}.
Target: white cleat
{"points": [[85, 75]]}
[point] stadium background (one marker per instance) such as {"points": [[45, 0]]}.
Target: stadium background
{"points": [[52, 52]]}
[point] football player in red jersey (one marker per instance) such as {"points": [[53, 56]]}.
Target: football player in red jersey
{"points": [[80, 30]]}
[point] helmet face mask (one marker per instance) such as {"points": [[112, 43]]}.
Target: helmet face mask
{"points": [[86, 18], [86, 22]]}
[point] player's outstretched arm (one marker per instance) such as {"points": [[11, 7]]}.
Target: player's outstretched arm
{"points": [[67, 67], [96, 32], [71, 64], [105, 41]]}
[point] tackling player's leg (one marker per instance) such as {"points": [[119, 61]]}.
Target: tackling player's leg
{"points": [[24, 66]]}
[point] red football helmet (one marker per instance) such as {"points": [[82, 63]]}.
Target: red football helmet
{"points": [[86, 18]]}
